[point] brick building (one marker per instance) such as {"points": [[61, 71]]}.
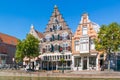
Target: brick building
{"points": [[7, 48], [56, 43]]}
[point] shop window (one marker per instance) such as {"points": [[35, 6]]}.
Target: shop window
{"points": [[92, 61], [77, 61]]}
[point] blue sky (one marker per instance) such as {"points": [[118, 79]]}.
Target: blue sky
{"points": [[16, 16]]}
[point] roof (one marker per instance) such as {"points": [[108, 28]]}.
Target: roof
{"points": [[8, 39], [40, 35]]}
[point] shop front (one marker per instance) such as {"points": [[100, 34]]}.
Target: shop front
{"points": [[85, 62], [53, 62]]}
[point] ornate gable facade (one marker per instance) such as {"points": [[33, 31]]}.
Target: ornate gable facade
{"points": [[83, 48], [56, 42], [86, 29]]}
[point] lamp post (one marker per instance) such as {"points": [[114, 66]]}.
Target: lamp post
{"points": [[62, 62], [14, 65]]}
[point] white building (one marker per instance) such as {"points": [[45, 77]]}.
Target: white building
{"points": [[85, 57]]}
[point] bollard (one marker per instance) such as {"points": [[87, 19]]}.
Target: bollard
{"points": [[30, 75], [38, 76]]}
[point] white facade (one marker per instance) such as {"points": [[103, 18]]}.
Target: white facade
{"points": [[85, 57]]}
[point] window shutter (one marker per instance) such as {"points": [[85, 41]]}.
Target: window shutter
{"points": [[53, 27], [53, 38], [52, 48], [58, 37], [60, 48], [68, 37]]}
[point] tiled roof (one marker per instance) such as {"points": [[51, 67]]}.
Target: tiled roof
{"points": [[8, 39], [39, 34]]}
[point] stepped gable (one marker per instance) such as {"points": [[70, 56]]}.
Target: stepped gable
{"points": [[56, 19]]}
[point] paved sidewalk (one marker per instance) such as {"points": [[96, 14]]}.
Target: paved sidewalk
{"points": [[75, 74]]}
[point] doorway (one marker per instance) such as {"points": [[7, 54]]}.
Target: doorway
{"points": [[84, 63]]}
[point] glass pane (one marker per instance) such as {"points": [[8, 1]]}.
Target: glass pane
{"points": [[92, 61]]}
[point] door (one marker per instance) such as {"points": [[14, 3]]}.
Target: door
{"points": [[84, 63]]}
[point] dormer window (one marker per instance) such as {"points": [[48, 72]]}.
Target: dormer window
{"points": [[84, 31], [12, 42]]}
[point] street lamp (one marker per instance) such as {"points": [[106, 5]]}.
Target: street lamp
{"points": [[14, 65], [62, 62]]}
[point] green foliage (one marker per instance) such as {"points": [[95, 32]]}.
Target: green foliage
{"points": [[62, 60], [108, 38], [19, 56], [28, 47]]}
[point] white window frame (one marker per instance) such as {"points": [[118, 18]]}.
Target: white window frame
{"points": [[84, 45], [64, 35], [64, 45], [84, 30], [77, 48]]}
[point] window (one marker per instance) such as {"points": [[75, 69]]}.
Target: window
{"points": [[84, 45], [76, 45], [92, 45], [69, 56], [84, 30], [92, 61], [56, 37], [47, 38], [56, 47], [64, 35], [48, 48], [50, 29], [58, 27], [65, 45], [77, 61], [55, 20]]}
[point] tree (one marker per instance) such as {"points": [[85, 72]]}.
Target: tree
{"points": [[27, 48], [108, 40], [19, 54]]}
